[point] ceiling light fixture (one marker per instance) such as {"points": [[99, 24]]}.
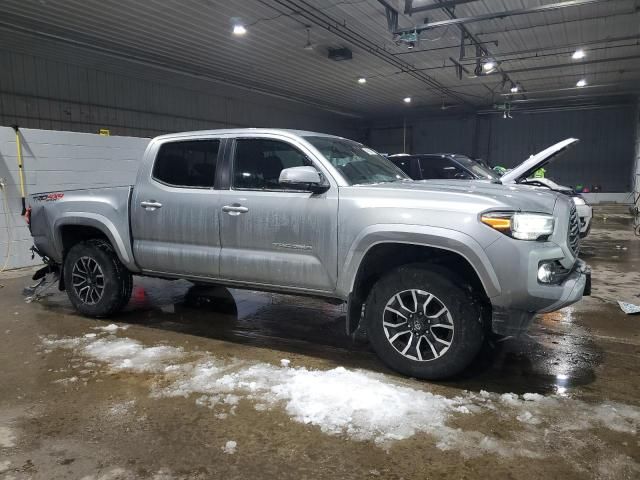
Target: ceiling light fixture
{"points": [[514, 88], [362, 80], [578, 54], [406, 99], [488, 66], [581, 83], [239, 29]]}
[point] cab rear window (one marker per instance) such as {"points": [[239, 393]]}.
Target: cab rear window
{"points": [[188, 164]]}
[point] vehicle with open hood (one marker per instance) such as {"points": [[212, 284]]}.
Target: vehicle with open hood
{"points": [[451, 166]]}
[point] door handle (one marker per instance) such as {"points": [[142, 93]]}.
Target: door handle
{"points": [[150, 205], [234, 209]]}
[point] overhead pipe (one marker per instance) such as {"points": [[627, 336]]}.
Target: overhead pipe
{"points": [[495, 15], [311, 13]]}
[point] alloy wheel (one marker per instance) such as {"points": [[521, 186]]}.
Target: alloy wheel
{"points": [[88, 280], [418, 325]]}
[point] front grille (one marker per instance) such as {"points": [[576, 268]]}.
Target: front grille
{"points": [[574, 231]]}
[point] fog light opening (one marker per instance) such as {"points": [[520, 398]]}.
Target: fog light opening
{"points": [[545, 273]]}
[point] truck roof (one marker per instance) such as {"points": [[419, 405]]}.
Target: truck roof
{"points": [[232, 131]]}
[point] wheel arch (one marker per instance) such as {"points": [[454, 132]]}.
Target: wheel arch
{"points": [[74, 228], [381, 252]]}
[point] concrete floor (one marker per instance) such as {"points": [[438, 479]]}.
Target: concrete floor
{"points": [[184, 385]]}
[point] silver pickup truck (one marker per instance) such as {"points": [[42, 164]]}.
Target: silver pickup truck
{"points": [[428, 270]]}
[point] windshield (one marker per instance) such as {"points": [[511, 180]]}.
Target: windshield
{"points": [[357, 163], [478, 170]]}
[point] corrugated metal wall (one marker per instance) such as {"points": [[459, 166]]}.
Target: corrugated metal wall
{"points": [[69, 91], [604, 156]]}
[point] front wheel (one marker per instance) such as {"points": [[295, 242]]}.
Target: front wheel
{"points": [[423, 323], [97, 283]]}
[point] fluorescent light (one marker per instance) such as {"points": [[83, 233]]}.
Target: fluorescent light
{"points": [[406, 99], [514, 88], [578, 54], [362, 80], [488, 66], [581, 83], [239, 29]]}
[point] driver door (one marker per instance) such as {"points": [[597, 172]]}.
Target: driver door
{"points": [[270, 234]]}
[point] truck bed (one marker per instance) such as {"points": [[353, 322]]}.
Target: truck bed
{"points": [[54, 215]]}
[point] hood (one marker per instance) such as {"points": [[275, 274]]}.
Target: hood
{"points": [[539, 160], [548, 183], [472, 194]]}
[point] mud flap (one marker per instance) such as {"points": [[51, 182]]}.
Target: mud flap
{"points": [[355, 328], [587, 285]]}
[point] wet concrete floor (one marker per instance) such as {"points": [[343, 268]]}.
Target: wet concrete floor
{"points": [[562, 402]]}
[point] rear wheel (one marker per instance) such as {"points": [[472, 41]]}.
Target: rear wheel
{"points": [[423, 322], [97, 283]]}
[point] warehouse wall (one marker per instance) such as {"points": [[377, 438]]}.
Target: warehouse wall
{"points": [[70, 88], [604, 156], [53, 161]]}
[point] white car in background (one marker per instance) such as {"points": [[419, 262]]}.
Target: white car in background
{"points": [[585, 212], [522, 173]]}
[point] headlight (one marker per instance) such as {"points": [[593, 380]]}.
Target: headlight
{"points": [[523, 226], [579, 201]]}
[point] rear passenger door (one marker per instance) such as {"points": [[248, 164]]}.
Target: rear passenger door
{"points": [[175, 210], [270, 234]]}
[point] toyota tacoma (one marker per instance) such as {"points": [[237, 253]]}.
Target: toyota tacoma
{"points": [[428, 270]]}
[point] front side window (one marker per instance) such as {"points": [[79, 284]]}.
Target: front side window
{"points": [[357, 163], [187, 164], [259, 161], [442, 167]]}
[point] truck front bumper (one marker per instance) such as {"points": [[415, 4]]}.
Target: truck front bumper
{"points": [[514, 317]]}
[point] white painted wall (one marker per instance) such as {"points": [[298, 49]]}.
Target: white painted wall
{"points": [[56, 160]]}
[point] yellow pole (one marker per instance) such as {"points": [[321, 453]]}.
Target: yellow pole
{"points": [[20, 169]]}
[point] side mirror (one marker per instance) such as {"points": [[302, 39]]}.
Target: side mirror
{"points": [[303, 178]]}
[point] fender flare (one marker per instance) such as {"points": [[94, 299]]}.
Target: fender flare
{"points": [[435, 237], [100, 223]]}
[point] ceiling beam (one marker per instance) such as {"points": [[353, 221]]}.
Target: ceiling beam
{"points": [[509, 13], [409, 9], [585, 88], [564, 65], [566, 45], [311, 13], [481, 49]]}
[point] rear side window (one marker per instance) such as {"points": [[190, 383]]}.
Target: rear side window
{"points": [[258, 163], [187, 164], [405, 164]]}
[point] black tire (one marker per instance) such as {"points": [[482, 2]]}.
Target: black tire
{"points": [[116, 281], [461, 325]]}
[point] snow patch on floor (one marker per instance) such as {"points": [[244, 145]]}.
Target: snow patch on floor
{"points": [[112, 328], [230, 447], [363, 405], [127, 354], [7, 437]]}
